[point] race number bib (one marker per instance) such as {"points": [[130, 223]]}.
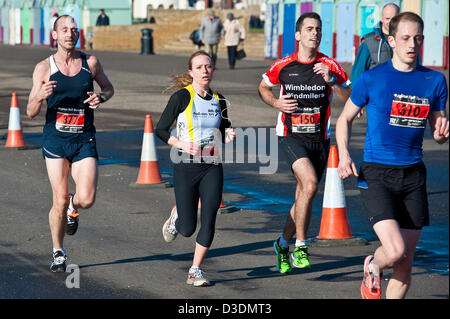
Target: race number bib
{"points": [[409, 111], [70, 120], [209, 151], [306, 121]]}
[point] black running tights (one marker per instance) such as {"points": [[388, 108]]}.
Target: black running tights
{"points": [[191, 182]]}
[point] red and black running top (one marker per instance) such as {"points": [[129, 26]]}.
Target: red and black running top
{"points": [[311, 120]]}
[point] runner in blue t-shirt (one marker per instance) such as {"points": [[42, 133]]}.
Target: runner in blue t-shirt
{"points": [[400, 97]]}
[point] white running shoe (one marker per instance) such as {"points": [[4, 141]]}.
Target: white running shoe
{"points": [[169, 231], [59, 262], [197, 278]]}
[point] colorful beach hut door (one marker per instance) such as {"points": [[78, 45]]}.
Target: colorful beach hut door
{"points": [[435, 24], [289, 29], [5, 25], [271, 32], [327, 13], [18, 26], [306, 7], [345, 31], [26, 26], [1, 27], [367, 19]]}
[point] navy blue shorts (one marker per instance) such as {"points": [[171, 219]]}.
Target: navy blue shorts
{"points": [[72, 151]]}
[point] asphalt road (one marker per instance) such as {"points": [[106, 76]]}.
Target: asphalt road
{"points": [[119, 252]]}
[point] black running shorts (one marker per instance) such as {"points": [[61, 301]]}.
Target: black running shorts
{"points": [[395, 192], [317, 152]]}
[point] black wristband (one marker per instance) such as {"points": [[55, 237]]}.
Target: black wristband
{"points": [[333, 81], [102, 98]]}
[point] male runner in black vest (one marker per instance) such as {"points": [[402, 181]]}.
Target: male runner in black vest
{"points": [[65, 81]]}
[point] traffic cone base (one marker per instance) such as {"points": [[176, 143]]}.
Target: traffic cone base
{"points": [[15, 139], [149, 173], [334, 224]]}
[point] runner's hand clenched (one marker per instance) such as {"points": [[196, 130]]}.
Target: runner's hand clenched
{"points": [[324, 71], [46, 90], [441, 130], [286, 104], [93, 100]]}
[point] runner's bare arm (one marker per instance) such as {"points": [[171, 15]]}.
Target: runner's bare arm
{"points": [[439, 125], [41, 90], [346, 166], [343, 93], [106, 87], [284, 103]]}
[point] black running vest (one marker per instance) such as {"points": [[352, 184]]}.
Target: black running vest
{"points": [[67, 116]]}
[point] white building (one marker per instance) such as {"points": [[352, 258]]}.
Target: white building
{"points": [[140, 6]]}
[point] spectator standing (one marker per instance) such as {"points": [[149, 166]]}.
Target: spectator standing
{"points": [[210, 31], [234, 33], [374, 48], [102, 19]]}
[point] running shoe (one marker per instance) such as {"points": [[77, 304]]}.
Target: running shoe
{"points": [[371, 283], [59, 262], [283, 262], [300, 257], [169, 231], [72, 219], [197, 278]]}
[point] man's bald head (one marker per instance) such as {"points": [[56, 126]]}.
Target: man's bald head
{"points": [[389, 11]]}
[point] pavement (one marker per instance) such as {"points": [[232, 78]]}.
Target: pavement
{"points": [[118, 251]]}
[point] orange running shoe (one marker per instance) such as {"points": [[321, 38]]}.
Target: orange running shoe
{"points": [[371, 283]]}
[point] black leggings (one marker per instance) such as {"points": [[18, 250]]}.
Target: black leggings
{"points": [[191, 182]]}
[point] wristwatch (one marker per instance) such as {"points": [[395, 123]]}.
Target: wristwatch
{"points": [[333, 81], [102, 98]]}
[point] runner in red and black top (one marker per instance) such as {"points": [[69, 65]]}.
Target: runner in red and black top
{"points": [[296, 78], [308, 80]]}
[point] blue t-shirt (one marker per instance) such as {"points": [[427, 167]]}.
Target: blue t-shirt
{"points": [[398, 105]]}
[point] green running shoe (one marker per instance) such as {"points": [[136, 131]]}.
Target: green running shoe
{"points": [[283, 263], [300, 257]]}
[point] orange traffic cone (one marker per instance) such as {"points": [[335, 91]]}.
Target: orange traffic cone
{"points": [[149, 174], [334, 224], [15, 135]]}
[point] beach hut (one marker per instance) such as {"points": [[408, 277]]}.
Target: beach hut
{"points": [[288, 13], [306, 6], [346, 29], [271, 29], [46, 18], [326, 11], [35, 13], [4, 21], [435, 17], [26, 21]]}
